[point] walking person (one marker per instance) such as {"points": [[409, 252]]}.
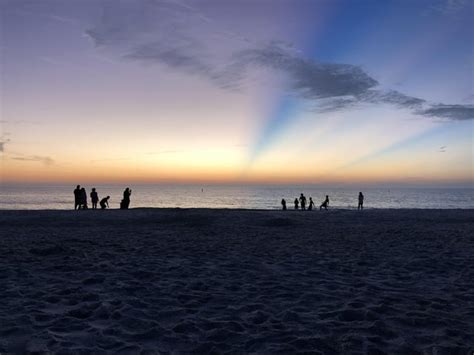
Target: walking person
{"points": [[296, 204], [283, 204], [311, 204], [361, 201], [77, 197], [325, 204], [94, 198], [303, 202]]}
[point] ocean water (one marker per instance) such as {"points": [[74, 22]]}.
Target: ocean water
{"points": [[223, 196]]}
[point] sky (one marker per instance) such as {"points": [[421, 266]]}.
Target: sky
{"points": [[237, 91]]}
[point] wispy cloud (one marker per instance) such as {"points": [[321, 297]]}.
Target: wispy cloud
{"points": [[165, 152], [453, 112], [35, 158], [448, 7], [180, 37]]}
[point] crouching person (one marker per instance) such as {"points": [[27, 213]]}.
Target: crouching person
{"points": [[104, 203]]}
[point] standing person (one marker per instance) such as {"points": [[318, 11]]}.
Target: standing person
{"points": [[83, 199], [283, 204], [361, 201], [77, 197], [126, 199], [104, 203], [296, 203], [303, 202], [94, 198], [325, 204], [311, 204]]}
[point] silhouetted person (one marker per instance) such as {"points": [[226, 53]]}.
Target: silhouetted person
{"points": [[303, 202], [94, 198], [283, 204], [83, 199], [361, 201], [311, 204], [126, 199], [104, 203], [77, 197], [325, 204], [296, 203]]}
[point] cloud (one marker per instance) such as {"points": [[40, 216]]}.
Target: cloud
{"points": [[310, 78], [452, 112], [3, 142], [35, 158], [448, 7], [180, 37]]}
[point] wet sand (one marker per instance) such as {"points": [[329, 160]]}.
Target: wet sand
{"points": [[238, 281]]}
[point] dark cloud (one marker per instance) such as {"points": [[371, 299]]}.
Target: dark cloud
{"points": [[452, 112], [310, 78], [391, 97], [180, 37], [179, 57]]}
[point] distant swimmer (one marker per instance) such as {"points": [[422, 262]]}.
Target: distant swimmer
{"points": [[325, 204], [77, 197], [361, 201], [296, 204], [311, 204], [283, 204], [94, 198], [303, 201], [104, 203]]}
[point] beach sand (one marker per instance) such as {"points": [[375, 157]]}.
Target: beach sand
{"points": [[238, 281]]}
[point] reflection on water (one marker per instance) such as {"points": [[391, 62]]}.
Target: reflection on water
{"points": [[218, 196]]}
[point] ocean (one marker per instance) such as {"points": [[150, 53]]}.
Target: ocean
{"points": [[21, 197]]}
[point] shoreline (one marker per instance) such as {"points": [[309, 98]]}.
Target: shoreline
{"points": [[289, 210]]}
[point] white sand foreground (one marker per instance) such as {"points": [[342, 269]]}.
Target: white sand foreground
{"points": [[237, 281]]}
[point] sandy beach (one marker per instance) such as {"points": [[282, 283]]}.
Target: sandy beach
{"points": [[237, 281]]}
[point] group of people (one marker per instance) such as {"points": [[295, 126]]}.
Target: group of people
{"points": [[301, 201], [80, 199]]}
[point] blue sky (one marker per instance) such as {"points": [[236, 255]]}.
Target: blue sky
{"points": [[238, 91]]}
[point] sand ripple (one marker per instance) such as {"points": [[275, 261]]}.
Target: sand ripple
{"points": [[203, 281]]}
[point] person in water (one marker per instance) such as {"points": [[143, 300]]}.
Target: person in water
{"points": [[77, 197], [325, 204], [83, 199], [361, 201], [283, 204], [94, 198], [296, 203], [311, 204], [104, 203], [303, 201], [126, 199]]}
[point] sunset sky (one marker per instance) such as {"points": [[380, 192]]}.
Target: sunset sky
{"points": [[261, 91]]}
